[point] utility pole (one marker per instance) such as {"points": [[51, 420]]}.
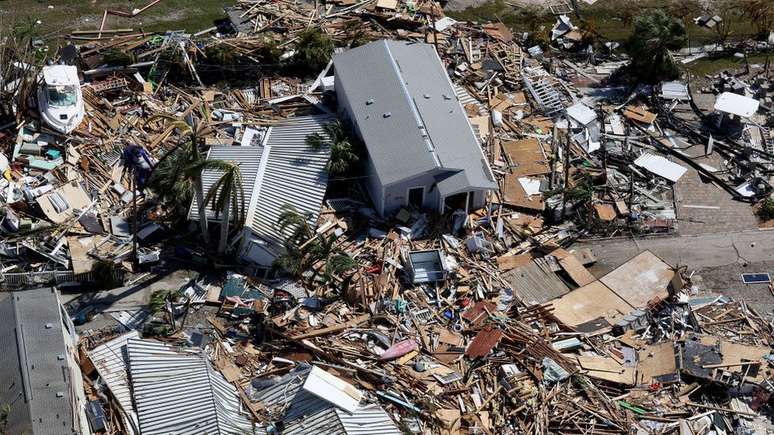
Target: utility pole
{"points": [[135, 259]]}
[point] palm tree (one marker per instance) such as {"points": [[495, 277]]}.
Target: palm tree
{"points": [[183, 171], [314, 49], [295, 228], [297, 223], [344, 147], [655, 34], [303, 249], [225, 196], [336, 260], [761, 14]]}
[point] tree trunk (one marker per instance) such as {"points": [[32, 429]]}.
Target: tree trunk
{"points": [[224, 224], [202, 210]]}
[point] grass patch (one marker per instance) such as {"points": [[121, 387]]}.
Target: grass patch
{"points": [[68, 15], [608, 17], [709, 66]]}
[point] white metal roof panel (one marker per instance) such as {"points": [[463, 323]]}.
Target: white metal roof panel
{"points": [[110, 360], [179, 392], [660, 166], [295, 175], [735, 104], [305, 413], [582, 113]]}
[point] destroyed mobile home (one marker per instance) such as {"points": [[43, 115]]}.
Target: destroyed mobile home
{"points": [[384, 244]]}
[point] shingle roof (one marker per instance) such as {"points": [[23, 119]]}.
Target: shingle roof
{"points": [[180, 392], [408, 113], [293, 173], [33, 364]]}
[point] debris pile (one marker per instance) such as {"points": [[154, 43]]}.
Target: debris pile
{"points": [[443, 306]]}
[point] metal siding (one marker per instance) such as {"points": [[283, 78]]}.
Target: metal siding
{"points": [[535, 284]]}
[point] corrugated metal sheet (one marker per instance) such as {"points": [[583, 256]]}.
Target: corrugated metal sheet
{"points": [[304, 413], [179, 392], [485, 340], [295, 174], [249, 160], [661, 166], [292, 174], [534, 284], [110, 360]]}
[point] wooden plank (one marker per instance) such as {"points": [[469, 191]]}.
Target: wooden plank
{"points": [[333, 329], [578, 273], [508, 262]]}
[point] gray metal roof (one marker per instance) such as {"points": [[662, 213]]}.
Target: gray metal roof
{"points": [[292, 173], [180, 392], [304, 413], [408, 113], [33, 378], [110, 359], [535, 283]]}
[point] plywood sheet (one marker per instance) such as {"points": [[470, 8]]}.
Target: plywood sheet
{"points": [[641, 279], [578, 273], [607, 369], [655, 363], [588, 303], [514, 194], [527, 157], [508, 262]]}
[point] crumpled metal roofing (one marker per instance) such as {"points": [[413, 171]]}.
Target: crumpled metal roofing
{"points": [[180, 392], [304, 413], [110, 360]]}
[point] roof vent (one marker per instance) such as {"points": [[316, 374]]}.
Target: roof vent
{"points": [[369, 101], [387, 115]]}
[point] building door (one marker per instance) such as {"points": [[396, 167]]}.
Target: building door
{"points": [[416, 196]]}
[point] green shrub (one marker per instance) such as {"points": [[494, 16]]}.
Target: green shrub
{"points": [[766, 209]]}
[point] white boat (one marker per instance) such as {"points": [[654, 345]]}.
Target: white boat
{"points": [[60, 101]]}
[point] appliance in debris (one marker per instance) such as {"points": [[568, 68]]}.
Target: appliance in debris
{"points": [[60, 101], [426, 266]]}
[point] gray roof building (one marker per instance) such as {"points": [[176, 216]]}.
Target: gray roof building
{"points": [[405, 108], [36, 367]]}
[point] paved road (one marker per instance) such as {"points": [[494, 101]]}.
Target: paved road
{"points": [[695, 251]]}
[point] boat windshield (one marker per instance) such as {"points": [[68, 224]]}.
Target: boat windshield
{"points": [[61, 96]]}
